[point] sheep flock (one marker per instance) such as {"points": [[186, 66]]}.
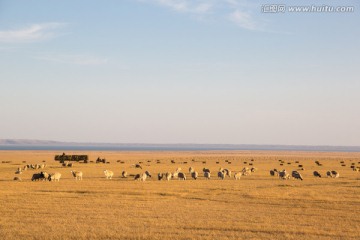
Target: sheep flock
{"points": [[140, 172]]}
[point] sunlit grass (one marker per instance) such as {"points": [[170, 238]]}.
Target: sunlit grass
{"points": [[256, 207]]}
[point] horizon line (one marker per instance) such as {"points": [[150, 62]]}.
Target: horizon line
{"points": [[7, 141]]}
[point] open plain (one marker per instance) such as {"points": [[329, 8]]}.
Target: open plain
{"points": [[257, 206]]}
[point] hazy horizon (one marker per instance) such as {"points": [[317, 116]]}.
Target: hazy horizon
{"points": [[38, 142], [179, 71]]}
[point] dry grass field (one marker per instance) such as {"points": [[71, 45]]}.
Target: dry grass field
{"points": [[258, 206]]}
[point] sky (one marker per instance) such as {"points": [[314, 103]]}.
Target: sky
{"points": [[179, 71]]}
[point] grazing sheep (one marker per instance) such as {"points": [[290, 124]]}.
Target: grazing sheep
{"points": [[221, 175], [206, 170], [274, 172], [246, 171], [36, 177], [194, 175], [207, 175], [143, 176], [17, 179], [77, 175], [39, 176], [148, 174], [191, 169], [181, 176], [108, 174], [317, 174], [25, 168], [284, 175], [124, 174], [237, 175], [54, 177], [168, 176], [46, 175], [176, 173], [160, 176], [332, 174], [227, 172], [296, 175], [253, 169], [19, 171], [335, 174], [138, 166]]}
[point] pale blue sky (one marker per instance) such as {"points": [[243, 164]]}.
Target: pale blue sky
{"points": [[179, 71]]}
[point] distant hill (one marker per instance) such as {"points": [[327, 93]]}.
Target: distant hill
{"points": [[30, 144]]}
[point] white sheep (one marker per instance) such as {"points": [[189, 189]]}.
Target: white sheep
{"points": [[246, 171], [46, 176], [237, 175], [168, 176], [176, 173], [54, 177], [77, 175], [108, 174]]}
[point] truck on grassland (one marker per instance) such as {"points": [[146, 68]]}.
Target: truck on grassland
{"points": [[75, 158]]}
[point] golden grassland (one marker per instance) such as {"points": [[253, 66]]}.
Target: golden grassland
{"points": [[256, 207]]}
